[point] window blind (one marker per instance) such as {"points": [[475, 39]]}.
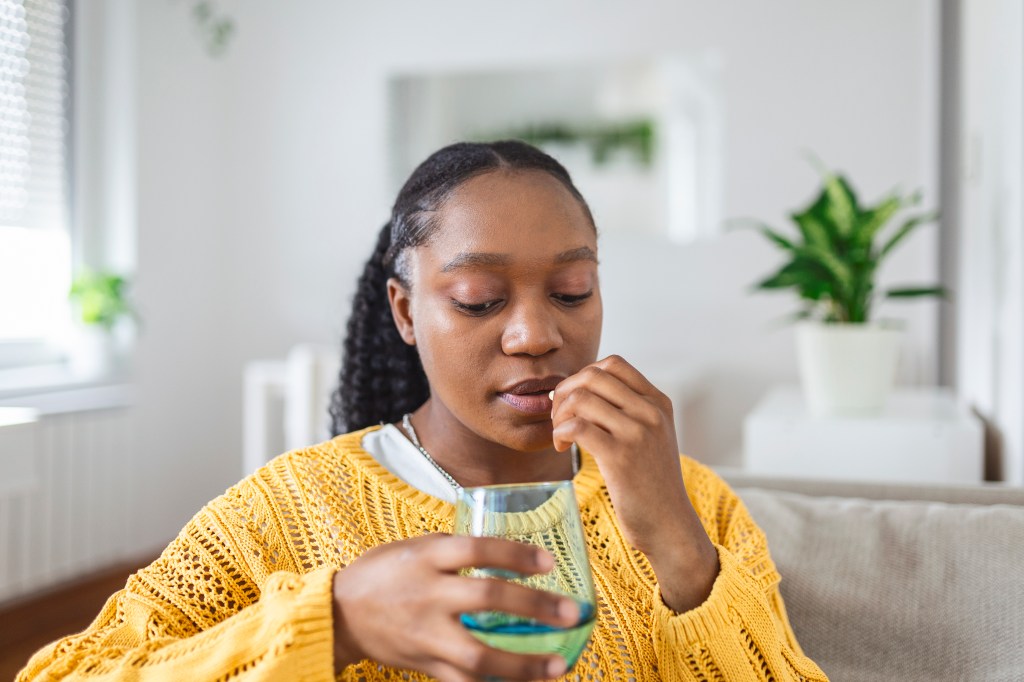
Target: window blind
{"points": [[34, 122]]}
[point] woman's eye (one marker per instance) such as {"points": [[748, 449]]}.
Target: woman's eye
{"points": [[475, 308], [572, 299]]}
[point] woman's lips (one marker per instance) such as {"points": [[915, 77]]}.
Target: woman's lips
{"points": [[531, 396], [528, 403]]}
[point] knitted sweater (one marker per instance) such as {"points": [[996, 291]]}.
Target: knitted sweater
{"points": [[244, 592]]}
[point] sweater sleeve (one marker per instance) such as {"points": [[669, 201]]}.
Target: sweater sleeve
{"points": [[741, 632], [227, 600]]}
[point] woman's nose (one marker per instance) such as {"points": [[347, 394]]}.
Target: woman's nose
{"points": [[532, 329]]}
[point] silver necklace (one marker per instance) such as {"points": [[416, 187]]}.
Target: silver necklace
{"points": [[411, 432]]}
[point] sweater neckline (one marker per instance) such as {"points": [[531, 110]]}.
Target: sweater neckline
{"points": [[587, 482]]}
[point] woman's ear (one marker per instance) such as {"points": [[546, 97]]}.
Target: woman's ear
{"points": [[401, 301]]}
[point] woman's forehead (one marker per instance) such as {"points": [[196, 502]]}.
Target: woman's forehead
{"points": [[521, 215]]}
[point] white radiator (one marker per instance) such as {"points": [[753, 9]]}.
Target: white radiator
{"points": [[63, 483]]}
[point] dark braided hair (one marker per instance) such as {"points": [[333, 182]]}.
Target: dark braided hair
{"points": [[381, 376]]}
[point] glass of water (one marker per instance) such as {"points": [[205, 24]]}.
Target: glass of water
{"points": [[542, 514]]}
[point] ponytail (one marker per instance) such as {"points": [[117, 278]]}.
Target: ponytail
{"points": [[381, 377]]}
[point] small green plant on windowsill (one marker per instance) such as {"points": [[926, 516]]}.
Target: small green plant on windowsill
{"points": [[100, 299], [104, 317]]}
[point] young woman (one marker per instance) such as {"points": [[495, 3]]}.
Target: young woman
{"points": [[471, 359]]}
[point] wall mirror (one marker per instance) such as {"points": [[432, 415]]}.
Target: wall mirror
{"points": [[642, 138]]}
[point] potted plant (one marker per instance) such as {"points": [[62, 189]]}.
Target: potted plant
{"points": [[102, 312], [847, 360]]}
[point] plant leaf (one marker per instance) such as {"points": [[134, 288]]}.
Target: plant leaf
{"points": [[778, 238], [873, 219], [816, 289], [904, 230], [836, 267], [814, 231], [810, 279], [914, 292], [842, 204], [788, 276]]}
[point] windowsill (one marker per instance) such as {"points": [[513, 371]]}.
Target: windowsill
{"points": [[54, 388]]}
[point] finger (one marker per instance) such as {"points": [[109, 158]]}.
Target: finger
{"points": [[445, 672], [615, 379], [627, 374], [583, 405], [590, 437], [467, 655], [593, 407], [595, 379], [493, 594], [646, 408], [454, 552]]}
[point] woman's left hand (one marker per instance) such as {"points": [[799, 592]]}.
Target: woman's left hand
{"points": [[613, 412]]}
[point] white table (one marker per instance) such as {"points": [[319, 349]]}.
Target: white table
{"points": [[924, 435]]}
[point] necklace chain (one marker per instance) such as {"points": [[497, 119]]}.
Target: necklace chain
{"points": [[407, 425], [411, 432]]}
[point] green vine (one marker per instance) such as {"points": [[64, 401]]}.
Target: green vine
{"points": [[215, 28], [603, 139]]}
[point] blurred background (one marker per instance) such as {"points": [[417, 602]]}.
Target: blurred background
{"points": [[234, 161]]}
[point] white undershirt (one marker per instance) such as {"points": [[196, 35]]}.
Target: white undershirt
{"points": [[398, 455]]}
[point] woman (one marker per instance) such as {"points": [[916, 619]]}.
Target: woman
{"points": [[471, 359]]}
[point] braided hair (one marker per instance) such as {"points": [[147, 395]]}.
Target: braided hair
{"points": [[381, 377]]}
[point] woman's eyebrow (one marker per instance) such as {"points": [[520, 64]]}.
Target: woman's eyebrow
{"points": [[572, 255], [468, 260], [476, 259]]}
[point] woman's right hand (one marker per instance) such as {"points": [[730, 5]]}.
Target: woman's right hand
{"points": [[399, 604]]}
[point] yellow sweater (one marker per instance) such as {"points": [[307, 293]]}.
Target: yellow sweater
{"points": [[244, 592]]}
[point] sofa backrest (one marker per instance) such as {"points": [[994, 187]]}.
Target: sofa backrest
{"points": [[966, 493], [901, 590]]}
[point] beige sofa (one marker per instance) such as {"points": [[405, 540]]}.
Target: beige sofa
{"points": [[886, 582]]}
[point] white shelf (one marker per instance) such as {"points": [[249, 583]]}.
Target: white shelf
{"points": [[924, 435]]}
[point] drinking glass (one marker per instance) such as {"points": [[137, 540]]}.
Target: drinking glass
{"points": [[542, 514]]}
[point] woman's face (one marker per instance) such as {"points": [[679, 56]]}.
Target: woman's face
{"points": [[504, 304]]}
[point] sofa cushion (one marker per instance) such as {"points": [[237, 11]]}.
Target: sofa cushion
{"points": [[886, 590]]}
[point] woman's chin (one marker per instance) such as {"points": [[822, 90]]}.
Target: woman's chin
{"points": [[535, 437]]}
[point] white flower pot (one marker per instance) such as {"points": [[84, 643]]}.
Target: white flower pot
{"points": [[91, 354], [847, 369]]}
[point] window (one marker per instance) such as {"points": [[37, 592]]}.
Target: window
{"points": [[35, 253]]}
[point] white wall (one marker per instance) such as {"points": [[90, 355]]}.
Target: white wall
{"points": [[990, 338], [186, 365], [263, 179]]}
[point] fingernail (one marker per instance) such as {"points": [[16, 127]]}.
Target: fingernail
{"points": [[551, 395], [556, 667]]}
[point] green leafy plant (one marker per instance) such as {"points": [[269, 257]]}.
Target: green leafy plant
{"points": [[833, 261], [100, 298]]}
